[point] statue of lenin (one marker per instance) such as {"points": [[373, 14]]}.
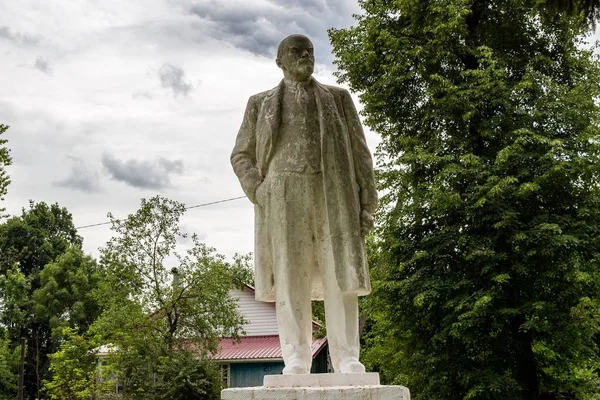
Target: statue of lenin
{"points": [[302, 159]]}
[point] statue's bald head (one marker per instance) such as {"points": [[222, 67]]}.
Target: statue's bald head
{"points": [[289, 40], [295, 56]]}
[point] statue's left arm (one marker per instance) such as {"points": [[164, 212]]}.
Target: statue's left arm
{"points": [[243, 157], [363, 162]]}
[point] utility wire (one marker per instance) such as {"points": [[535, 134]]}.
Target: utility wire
{"points": [[187, 208]]}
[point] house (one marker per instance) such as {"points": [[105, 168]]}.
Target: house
{"points": [[245, 363]]}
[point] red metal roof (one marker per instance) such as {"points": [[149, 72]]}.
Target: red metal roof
{"points": [[257, 348]]}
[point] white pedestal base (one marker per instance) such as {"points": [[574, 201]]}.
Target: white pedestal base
{"points": [[321, 380], [319, 387]]}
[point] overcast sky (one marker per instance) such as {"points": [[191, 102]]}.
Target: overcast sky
{"points": [[109, 101]]}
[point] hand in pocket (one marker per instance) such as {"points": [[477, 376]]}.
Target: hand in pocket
{"points": [[260, 193]]}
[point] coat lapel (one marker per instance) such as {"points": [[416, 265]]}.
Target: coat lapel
{"points": [[271, 114], [324, 100], [329, 117]]}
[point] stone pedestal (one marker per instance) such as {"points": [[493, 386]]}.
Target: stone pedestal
{"points": [[319, 387]]}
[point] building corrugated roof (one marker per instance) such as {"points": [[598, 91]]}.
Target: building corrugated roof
{"points": [[257, 348]]}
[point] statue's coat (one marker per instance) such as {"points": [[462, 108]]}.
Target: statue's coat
{"points": [[348, 180]]}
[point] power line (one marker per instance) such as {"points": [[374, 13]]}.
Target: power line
{"points": [[187, 208], [215, 202]]}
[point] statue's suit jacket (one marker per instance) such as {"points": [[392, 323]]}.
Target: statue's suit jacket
{"points": [[348, 180]]}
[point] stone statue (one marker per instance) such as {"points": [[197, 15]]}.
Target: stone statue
{"points": [[302, 159]]}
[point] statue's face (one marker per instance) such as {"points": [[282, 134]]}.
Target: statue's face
{"points": [[297, 59]]}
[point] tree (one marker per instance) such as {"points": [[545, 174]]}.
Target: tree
{"points": [[9, 364], [157, 312], [487, 281], [14, 316], [39, 236], [589, 9], [5, 160], [27, 244], [185, 376], [68, 293], [73, 368]]}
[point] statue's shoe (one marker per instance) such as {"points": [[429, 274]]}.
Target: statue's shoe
{"points": [[351, 365], [295, 367]]}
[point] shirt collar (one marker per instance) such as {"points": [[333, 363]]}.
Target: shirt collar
{"points": [[295, 85]]}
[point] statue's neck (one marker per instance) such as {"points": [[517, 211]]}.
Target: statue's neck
{"points": [[294, 84]]}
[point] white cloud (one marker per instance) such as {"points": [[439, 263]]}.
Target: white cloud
{"points": [[172, 77], [42, 65], [259, 26], [18, 38], [105, 103], [81, 178], [142, 174]]}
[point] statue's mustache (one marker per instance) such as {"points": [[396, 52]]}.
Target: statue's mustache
{"points": [[305, 63]]}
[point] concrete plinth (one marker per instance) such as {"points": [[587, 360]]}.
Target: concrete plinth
{"points": [[321, 380], [319, 387]]}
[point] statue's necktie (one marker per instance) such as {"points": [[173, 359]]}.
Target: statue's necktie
{"points": [[300, 94]]}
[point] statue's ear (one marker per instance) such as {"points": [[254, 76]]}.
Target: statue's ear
{"points": [[278, 62]]}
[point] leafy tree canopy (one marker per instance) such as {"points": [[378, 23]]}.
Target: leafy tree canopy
{"points": [[5, 160], [29, 244], [167, 304], [184, 295], [68, 293], [9, 361], [486, 284]]}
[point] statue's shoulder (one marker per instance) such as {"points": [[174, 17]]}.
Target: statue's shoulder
{"points": [[259, 97], [335, 90]]}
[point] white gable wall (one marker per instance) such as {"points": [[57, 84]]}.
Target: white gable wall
{"points": [[261, 316]]}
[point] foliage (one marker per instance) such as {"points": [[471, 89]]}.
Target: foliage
{"points": [[67, 296], [16, 303], [188, 303], [14, 315], [553, 9], [487, 284], [165, 311], [5, 160], [39, 236], [139, 373], [9, 364], [29, 243], [73, 368], [185, 376], [243, 269]]}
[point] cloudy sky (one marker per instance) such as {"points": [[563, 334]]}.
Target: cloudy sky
{"points": [[109, 101]]}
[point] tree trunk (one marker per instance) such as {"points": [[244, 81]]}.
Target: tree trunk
{"points": [[527, 373], [22, 371]]}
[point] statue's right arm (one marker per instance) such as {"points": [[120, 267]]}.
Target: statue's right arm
{"points": [[243, 157]]}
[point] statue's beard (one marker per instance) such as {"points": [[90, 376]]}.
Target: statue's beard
{"points": [[304, 68]]}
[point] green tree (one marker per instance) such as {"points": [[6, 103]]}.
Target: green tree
{"points": [[487, 280], [14, 316], [589, 9], [68, 293], [5, 160], [73, 368], [16, 304], [27, 244], [185, 376], [9, 365], [162, 304]]}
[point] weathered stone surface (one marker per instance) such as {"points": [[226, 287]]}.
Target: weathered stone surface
{"points": [[321, 380], [301, 157], [323, 393]]}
